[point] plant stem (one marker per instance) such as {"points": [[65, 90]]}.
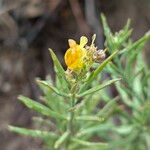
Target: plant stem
{"points": [[70, 123], [70, 126]]}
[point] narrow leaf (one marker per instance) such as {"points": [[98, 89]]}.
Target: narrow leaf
{"points": [[91, 144], [95, 73], [57, 63], [60, 72], [33, 133], [95, 129], [124, 37], [54, 89], [107, 30], [39, 107], [107, 108], [61, 139], [134, 46], [89, 118], [97, 88], [126, 27]]}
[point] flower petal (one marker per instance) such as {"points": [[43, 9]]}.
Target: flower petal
{"points": [[72, 43], [83, 41]]}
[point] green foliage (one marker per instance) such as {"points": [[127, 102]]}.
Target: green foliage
{"points": [[33, 133], [66, 106], [96, 72], [134, 127], [70, 109]]}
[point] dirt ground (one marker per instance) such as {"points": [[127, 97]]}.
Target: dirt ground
{"points": [[26, 33]]}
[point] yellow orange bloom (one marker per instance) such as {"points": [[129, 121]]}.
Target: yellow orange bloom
{"points": [[74, 56]]}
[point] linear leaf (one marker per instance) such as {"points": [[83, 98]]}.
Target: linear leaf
{"points": [[107, 32], [61, 139], [60, 72], [95, 73], [134, 46], [91, 144], [124, 37], [95, 129], [101, 67], [57, 63], [54, 89], [126, 27], [124, 129], [106, 28], [107, 108], [33, 133], [89, 118], [124, 34], [39, 107], [99, 87]]}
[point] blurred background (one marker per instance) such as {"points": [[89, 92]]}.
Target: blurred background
{"points": [[29, 27]]}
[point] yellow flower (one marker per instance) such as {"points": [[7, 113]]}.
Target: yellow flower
{"points": [[75, 55]]}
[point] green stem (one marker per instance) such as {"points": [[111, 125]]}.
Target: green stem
{"points": [[70, 123], [70, 126]]}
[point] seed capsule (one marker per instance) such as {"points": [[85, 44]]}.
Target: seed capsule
{"points": [[99, 56]]}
